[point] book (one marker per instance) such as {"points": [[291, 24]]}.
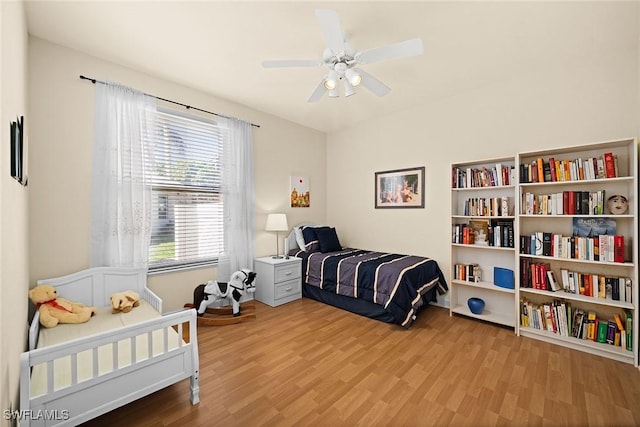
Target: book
{"points": [[591, 325], [576, 328], [618, 248], [552, 281], [552, 169], [546, 244], [540, 169], [571, 206], [611, 332], [480, 231], [590, 227], [618, 321], [536, 243], [601, 332], [628, 329], [546, 167], [609, 167]]}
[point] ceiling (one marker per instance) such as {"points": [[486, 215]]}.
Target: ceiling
{"points": [[217, 47]]}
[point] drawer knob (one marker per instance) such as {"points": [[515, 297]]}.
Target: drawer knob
{"points": [[288, 289], [288, 273]]}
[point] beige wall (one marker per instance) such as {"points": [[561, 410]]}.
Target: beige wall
{"points": [[589, 99], [61, 149], [14, 279]]}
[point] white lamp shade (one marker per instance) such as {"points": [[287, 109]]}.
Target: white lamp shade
{"points": [[277, 222]]}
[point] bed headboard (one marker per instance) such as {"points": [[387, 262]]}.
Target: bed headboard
{"points": [[94, 286]]}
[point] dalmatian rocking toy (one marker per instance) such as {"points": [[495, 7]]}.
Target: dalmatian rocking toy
{"points": [[213, 291]]}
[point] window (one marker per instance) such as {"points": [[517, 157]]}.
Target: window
{"points": [[187, 202]]}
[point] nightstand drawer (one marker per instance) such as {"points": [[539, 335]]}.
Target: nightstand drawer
{"points": [[287, 272], [283, 290]]}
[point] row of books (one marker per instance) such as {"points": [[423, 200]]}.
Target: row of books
{"points": [[603, 248], [496, 176], [560, 318], [539, 275], [487, 206], [468, 272], [597, 285], [564, 203], [552, 170], [495, 232]]}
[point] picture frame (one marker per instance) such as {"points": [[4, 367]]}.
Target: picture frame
{"points": [[299, 192], [400, 188], [17, 150]]}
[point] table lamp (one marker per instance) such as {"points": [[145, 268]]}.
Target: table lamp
{"points": [[277, 222]]}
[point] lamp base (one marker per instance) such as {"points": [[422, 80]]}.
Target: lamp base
{"points": [[278, 257]]}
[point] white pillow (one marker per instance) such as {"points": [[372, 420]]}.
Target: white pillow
{"points": [[299, 239]]}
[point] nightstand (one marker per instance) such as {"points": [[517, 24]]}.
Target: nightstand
{"points": [[278, 281]]}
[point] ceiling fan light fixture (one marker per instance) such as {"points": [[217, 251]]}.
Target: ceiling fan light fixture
{"points": [[348, 89], [334, 93], [353, 76], [331, 82]]}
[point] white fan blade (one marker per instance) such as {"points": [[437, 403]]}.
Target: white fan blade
{"points": [[284, 63], [403, 49], [331, 30], [373, 84], [318, 92]]}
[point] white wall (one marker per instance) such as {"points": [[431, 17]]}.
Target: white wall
{"points": [[589, 99], [61, 149], [14, 279]]}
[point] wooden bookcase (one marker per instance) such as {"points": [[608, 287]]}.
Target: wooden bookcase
{"points": [[551, 211], [477, 192]]}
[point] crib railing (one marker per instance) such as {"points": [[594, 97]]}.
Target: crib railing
{"points": [[163, 364]]}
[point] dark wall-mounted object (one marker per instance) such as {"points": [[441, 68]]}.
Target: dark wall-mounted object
{"points": [[17, 150]]}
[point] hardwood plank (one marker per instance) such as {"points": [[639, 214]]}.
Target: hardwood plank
{"points": [[306, 363]]}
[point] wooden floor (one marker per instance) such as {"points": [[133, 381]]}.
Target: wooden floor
{"points": [[306, 363]]}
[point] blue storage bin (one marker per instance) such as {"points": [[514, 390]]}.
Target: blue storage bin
{"points": [[503, 277]]}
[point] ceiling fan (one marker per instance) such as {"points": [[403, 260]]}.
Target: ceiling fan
{"points": [[342, 60]]}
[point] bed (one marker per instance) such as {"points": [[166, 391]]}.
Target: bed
{"points": [[75, 372], [384, 286]]}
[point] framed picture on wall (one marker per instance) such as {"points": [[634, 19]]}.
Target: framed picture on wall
{"points": [[17, 149], [300, 196], [400, 188]]}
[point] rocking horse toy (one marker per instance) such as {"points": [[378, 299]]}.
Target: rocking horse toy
{"points": [[213, 291]]}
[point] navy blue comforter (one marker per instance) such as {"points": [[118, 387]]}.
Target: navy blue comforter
{"points": [[394, 281]]}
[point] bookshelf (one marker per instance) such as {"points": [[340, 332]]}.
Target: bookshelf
{"points": [[483, 234], [566, 227]]}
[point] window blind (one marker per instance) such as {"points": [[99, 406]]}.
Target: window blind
{"points": [[187, 203]]}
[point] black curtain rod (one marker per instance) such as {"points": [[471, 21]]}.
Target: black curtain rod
{"points": [[188, 107]]}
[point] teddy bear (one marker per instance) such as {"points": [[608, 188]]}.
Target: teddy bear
{"points": [[54, 310], [124, 301]]}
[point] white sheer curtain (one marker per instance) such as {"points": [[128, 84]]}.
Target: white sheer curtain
{"points": [[121, 197], [238, 196]]}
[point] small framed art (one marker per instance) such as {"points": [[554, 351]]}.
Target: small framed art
{"points": [[300, 196], [17, 149], [400, 188]]}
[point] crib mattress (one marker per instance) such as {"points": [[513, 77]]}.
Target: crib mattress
{"points": [[103, 321]]}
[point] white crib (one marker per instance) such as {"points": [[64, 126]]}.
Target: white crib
{"points": [[76, 380]]}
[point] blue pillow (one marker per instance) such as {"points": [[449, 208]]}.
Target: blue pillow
{"points": [[328, 240], [311, 239]]}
